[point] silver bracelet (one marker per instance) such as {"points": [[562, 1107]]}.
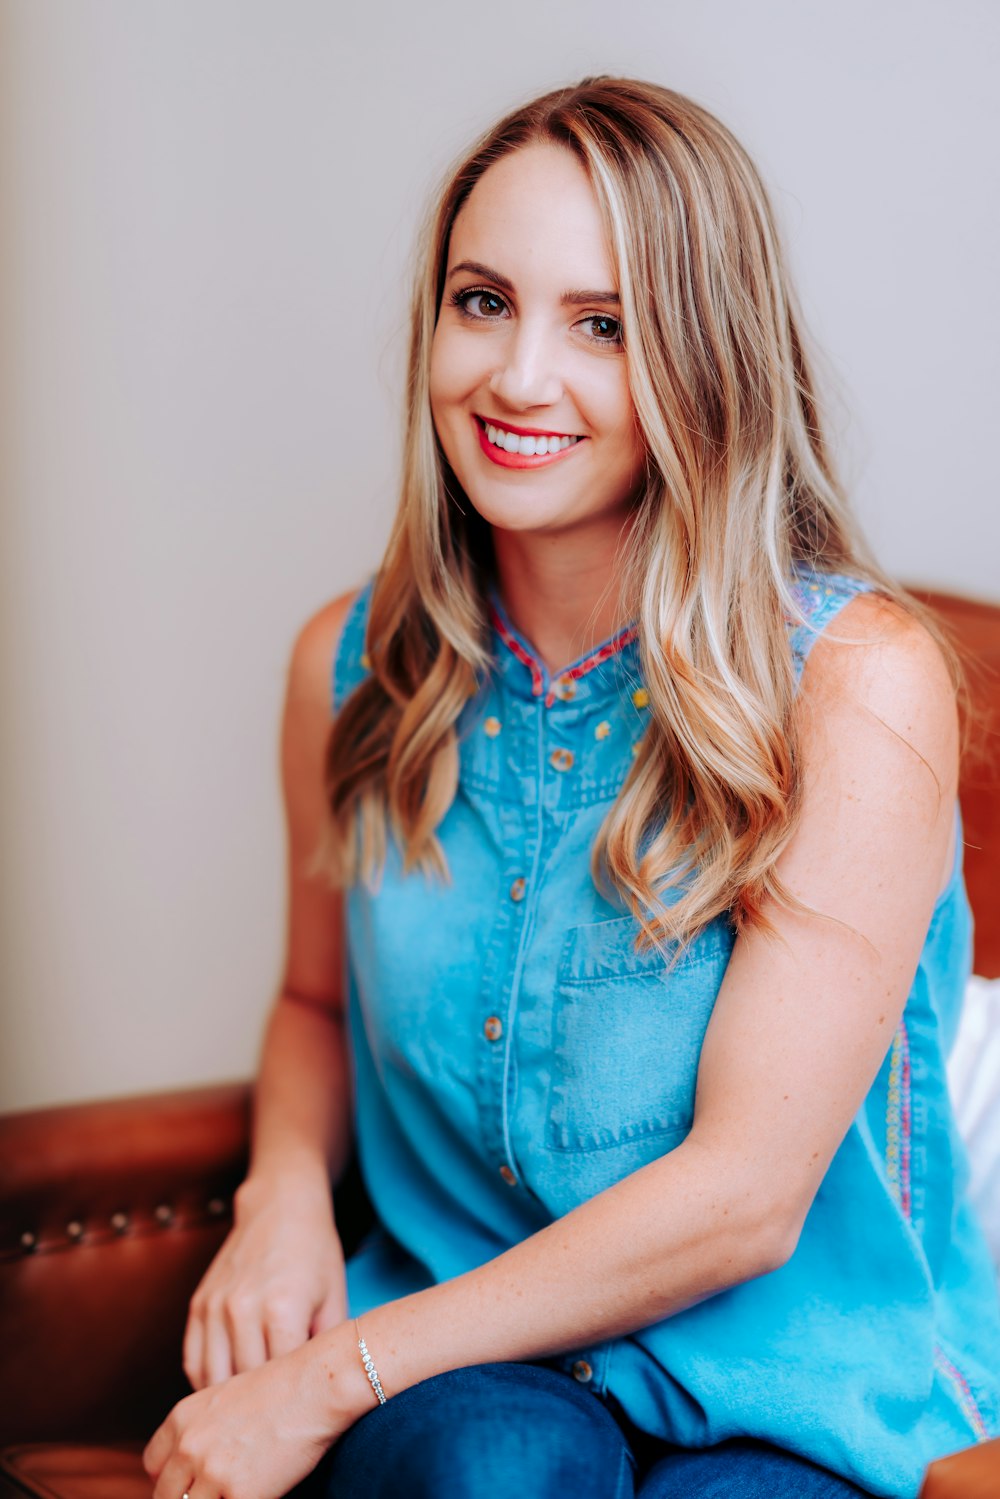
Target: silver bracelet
{"points": [[370, 1369]]}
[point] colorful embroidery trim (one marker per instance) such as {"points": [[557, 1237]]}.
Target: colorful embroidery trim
{"points": [[898, 1122], [517, 649], [966, 1399], [603, 654], [574, 673]]}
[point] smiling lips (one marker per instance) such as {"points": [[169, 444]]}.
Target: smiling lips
{"points": [[518, 449]]}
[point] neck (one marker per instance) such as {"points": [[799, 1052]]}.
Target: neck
{"points": [[562, 593]]}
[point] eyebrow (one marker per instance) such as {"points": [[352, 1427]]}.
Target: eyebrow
{"points": [[575, 297]]}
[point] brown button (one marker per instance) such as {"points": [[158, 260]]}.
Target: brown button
{"points": [[493, 1028], [492, 727], [508, 1176], [582, 1371], [561, 759], [565, 688], [517, 889]]}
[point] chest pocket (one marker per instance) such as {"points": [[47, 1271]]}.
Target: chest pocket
{"points": [[627, 1035]]}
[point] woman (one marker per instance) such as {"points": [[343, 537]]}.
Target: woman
{"points": [[653, 957]]}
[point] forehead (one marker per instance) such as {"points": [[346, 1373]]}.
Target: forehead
{"points": [[534, 212]]}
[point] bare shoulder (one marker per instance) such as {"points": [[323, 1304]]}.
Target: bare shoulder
{"points": [[313, 952], [311, 665], [308, 710], [875, 668]]}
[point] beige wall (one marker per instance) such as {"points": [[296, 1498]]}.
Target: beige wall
{"points": [[206, 208]]}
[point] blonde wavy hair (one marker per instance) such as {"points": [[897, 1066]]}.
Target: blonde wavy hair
{"points": [[739, 488]]}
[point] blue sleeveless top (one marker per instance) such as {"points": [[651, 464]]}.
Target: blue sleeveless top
{"points": [[513, 1055]]}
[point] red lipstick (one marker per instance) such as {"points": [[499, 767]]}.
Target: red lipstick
{"points": [[504, 459]]}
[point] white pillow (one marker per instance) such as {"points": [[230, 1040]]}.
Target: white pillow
{"points": [[974, 1084]]}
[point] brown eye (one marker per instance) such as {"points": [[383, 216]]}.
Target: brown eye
{"points": [[479, 304], [605, 329]]}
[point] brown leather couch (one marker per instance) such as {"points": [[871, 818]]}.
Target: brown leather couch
{"points": [[109, 1213]]}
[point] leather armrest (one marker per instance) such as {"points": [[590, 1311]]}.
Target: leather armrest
{"points": [[110, 1213], [974, 629]]}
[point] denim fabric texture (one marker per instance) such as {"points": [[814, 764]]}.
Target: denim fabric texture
{"points": [[513, 1055], [522, 1431]]}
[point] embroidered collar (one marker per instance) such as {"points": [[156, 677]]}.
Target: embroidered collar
{"points": [[563, 684]]}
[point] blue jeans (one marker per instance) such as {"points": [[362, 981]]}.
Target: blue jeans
{"points": [[529, 1431]]}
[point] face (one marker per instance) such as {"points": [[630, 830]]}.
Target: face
{"points": [[528, 381]]}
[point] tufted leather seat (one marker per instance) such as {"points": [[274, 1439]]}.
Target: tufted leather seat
{"points": [[75, 1472], [110, 1212]]}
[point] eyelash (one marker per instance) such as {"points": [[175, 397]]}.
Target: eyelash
{"points": [[460, 299]]}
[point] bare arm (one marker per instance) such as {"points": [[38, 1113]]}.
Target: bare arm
{"points": [[785, 1065], [302, 1101], [279, 1277]]}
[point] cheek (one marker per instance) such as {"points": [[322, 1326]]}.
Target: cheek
{"points": [[454, 371], [437, 369], [448, 391], [617, 415]]}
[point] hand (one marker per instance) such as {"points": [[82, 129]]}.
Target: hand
{"points": [[254, 1437], [277, 1281]]}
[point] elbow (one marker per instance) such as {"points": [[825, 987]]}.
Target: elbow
{"points": [[765, 1232], [753, 1223], [774, 1241], [780, 1215]]}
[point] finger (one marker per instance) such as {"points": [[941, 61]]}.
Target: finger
{"points": [[199, 1488], [218, 1357], [193, 1351], [174, 1481], [246, 1339], [157, 1450]]}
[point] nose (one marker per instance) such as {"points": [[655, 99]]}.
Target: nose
{"points": [[527, 373]]}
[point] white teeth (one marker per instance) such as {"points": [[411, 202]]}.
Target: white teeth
{"points": [[527, 447]]}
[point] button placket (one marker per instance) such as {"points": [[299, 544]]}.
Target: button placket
{"points": [[519, 831], [522, 897], [551, 729], [493, 1029]]}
